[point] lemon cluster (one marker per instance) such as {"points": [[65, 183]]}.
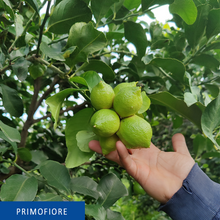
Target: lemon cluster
{"points": [[116, 117]]}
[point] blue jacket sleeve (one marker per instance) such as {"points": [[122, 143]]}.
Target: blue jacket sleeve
{"points": [[197, 199]]}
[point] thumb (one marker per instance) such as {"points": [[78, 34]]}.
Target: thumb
{"points": [[179, 144]]}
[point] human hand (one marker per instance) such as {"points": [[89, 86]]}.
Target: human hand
{"points": [[160, 173]]}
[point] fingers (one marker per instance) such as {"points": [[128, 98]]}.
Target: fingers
{"points": [[179, 144], [95, 146], [120, 156], [125, 157]]}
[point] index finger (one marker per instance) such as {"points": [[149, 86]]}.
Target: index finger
{"points": [[95, 146]]}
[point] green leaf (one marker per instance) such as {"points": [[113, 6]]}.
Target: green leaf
{"points": [[67, 13], [160, 44], [210, 119], [156, 32], [185, 9], [20, 68], [89, 79], [213, 25], [23, 51], [56, 175], [80, 121], [79, 80], [38, 156], [201, 144], [116, 6], [3, 149], [33, 4], [213, 89], [213, 45], [8, 8], [68, 51], [7, 2], [51, 52], [131, 4], [19, 188], [192, 113], [4, 169], [148, 3], [87, 39], [100, 8], [96, 211], [11, 133], [24, 154], [83, 138], [206, 60], [13, 144], [211, 154], [99, 67], [18, 25], [189, 98], [111, 189], [55, 103], [135, 33], [117, 35], [146, 103], [85, 185], [92, 79], [177, 121], [173, 67], [112, 215], [48, 197], [11, 101], [194, 32]]}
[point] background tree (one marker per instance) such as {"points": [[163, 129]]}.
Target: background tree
{"points": [[48, 65]]}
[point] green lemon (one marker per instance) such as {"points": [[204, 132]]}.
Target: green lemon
{"points": [[128, 101], [135, 132], [123, 85], [36, 70], [105, 122], [108, 144], [102, 96], [137, 188]]}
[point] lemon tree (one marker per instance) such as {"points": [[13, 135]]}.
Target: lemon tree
{"points": [[52, 55]]}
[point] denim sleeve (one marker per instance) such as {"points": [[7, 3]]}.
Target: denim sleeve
{"points": [[197, 199]]}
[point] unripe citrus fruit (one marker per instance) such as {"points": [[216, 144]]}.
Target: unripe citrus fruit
{"points": [[123, 85], [105, 122], [102, 96], [128, 101], [108, 144], [137, 188], [135, 132], [36, 70]]}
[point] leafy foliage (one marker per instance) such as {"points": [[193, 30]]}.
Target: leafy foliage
{"points": [[44, 120]]}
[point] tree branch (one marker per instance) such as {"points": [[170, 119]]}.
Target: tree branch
{"points": [[32, 109], [12, 170], [47, 92], [4, 69], [42, 61], [42, 26]]}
